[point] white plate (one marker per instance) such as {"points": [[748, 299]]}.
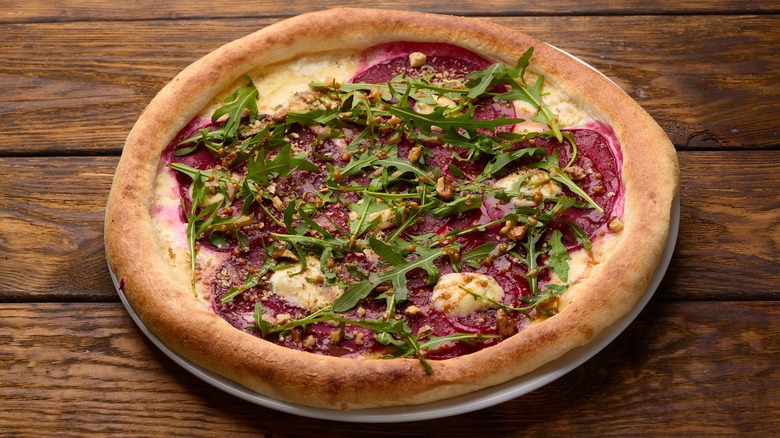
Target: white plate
{"points": [[459, 405]]}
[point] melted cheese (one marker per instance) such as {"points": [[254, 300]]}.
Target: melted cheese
{"points": [[172, 235], [386, 218], [450, 297], [278, 82], [583, 262], [568, 114], [304, 289], [535, 180]]}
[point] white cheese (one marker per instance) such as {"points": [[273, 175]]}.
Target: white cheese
{"points": [[434, 102], [172, 235], [450, 297], [386, 218], [277, 83], [304, 289], [566, 112], [583, 262], [533, 180]]}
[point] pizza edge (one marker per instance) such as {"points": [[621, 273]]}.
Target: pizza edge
{"points": [[168, 308]]}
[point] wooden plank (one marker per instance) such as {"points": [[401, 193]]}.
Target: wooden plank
{"points": [[74, 10], [51, 238], [75, 88], [729, 238], [85, 369]]}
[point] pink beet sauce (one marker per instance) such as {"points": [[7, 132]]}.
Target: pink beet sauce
{"points": [[598, 152]]}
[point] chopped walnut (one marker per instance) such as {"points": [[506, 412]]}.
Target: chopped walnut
{"points": [[332, 82], [513, 231], [284, 254], [281, 115], [309, 342], [229, 159], [505, 324], [575, 173], [277, 202], [414, 154], [374, 96], [296, 105], [445, 189], [615, 224], [417, 59], [412, 311], [425, 331], [516, 233]]}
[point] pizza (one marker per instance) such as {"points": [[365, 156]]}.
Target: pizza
{"points": [[358, 208]]}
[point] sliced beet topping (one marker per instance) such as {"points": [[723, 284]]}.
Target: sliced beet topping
{"points": [[397, 214]]}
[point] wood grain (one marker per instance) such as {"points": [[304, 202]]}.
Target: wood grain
{"points": [[90, 80], [700, 360], [51, 228], [51, 239], [85, 368], [74, 10]]}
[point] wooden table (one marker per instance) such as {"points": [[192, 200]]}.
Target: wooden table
{"points": [[701, 359]]}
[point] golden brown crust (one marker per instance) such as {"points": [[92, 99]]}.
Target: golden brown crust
{"points": [[167, 306]]}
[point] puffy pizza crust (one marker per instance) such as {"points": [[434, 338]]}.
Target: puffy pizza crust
{"points": [[163, 299]]}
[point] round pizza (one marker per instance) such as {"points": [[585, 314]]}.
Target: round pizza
{"points": [[359, 208]]}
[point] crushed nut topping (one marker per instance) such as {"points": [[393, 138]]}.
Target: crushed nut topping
{"points": [[417, 59], [445, 188], [505, 324], [615, 224], [575, 173]]}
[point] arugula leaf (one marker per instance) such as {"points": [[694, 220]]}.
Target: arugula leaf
{"points": [[387, 252], [437, 122], [559, 256], [402, 166], [499, 162], [357, 164], [314, 116], [579, 234], [264, 326], [479, 253], [261, 170], [397, 276], [312, 243], [242, 100], [501, 74], [252, 279], [364, 210], [460, 204], [550, 164]]}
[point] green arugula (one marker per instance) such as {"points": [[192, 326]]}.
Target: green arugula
{"points": [[242, 100], [514, 77], [373, 120], [386, 331], [397, 275]]}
